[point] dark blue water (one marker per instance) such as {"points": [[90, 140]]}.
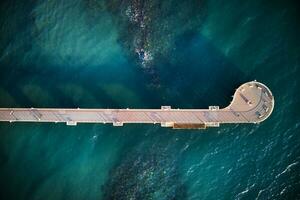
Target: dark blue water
{"points": [[144, 54]]}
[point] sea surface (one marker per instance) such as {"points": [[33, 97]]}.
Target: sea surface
{"points": [[144, 54]]}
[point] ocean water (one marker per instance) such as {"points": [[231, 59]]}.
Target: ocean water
{"points": [[144, 54]]}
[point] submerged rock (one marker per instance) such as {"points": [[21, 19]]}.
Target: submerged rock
{"points": [[146, 175], [148, 29]]}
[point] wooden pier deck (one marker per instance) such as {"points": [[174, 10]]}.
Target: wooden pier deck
{"points": [[252, 102]]}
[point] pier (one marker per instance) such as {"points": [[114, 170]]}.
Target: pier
{"points": [[252, 102]]}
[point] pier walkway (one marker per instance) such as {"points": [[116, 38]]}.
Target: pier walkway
{"points": [[252, 102]]}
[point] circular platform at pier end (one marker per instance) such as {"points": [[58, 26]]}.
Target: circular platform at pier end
{"points": [[253, 101]]}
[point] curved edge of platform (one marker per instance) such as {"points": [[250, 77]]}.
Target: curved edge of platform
{"points": [[254, 99], [272, 103]]}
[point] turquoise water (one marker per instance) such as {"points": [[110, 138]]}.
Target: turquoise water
{"points": [[144, 54]]}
